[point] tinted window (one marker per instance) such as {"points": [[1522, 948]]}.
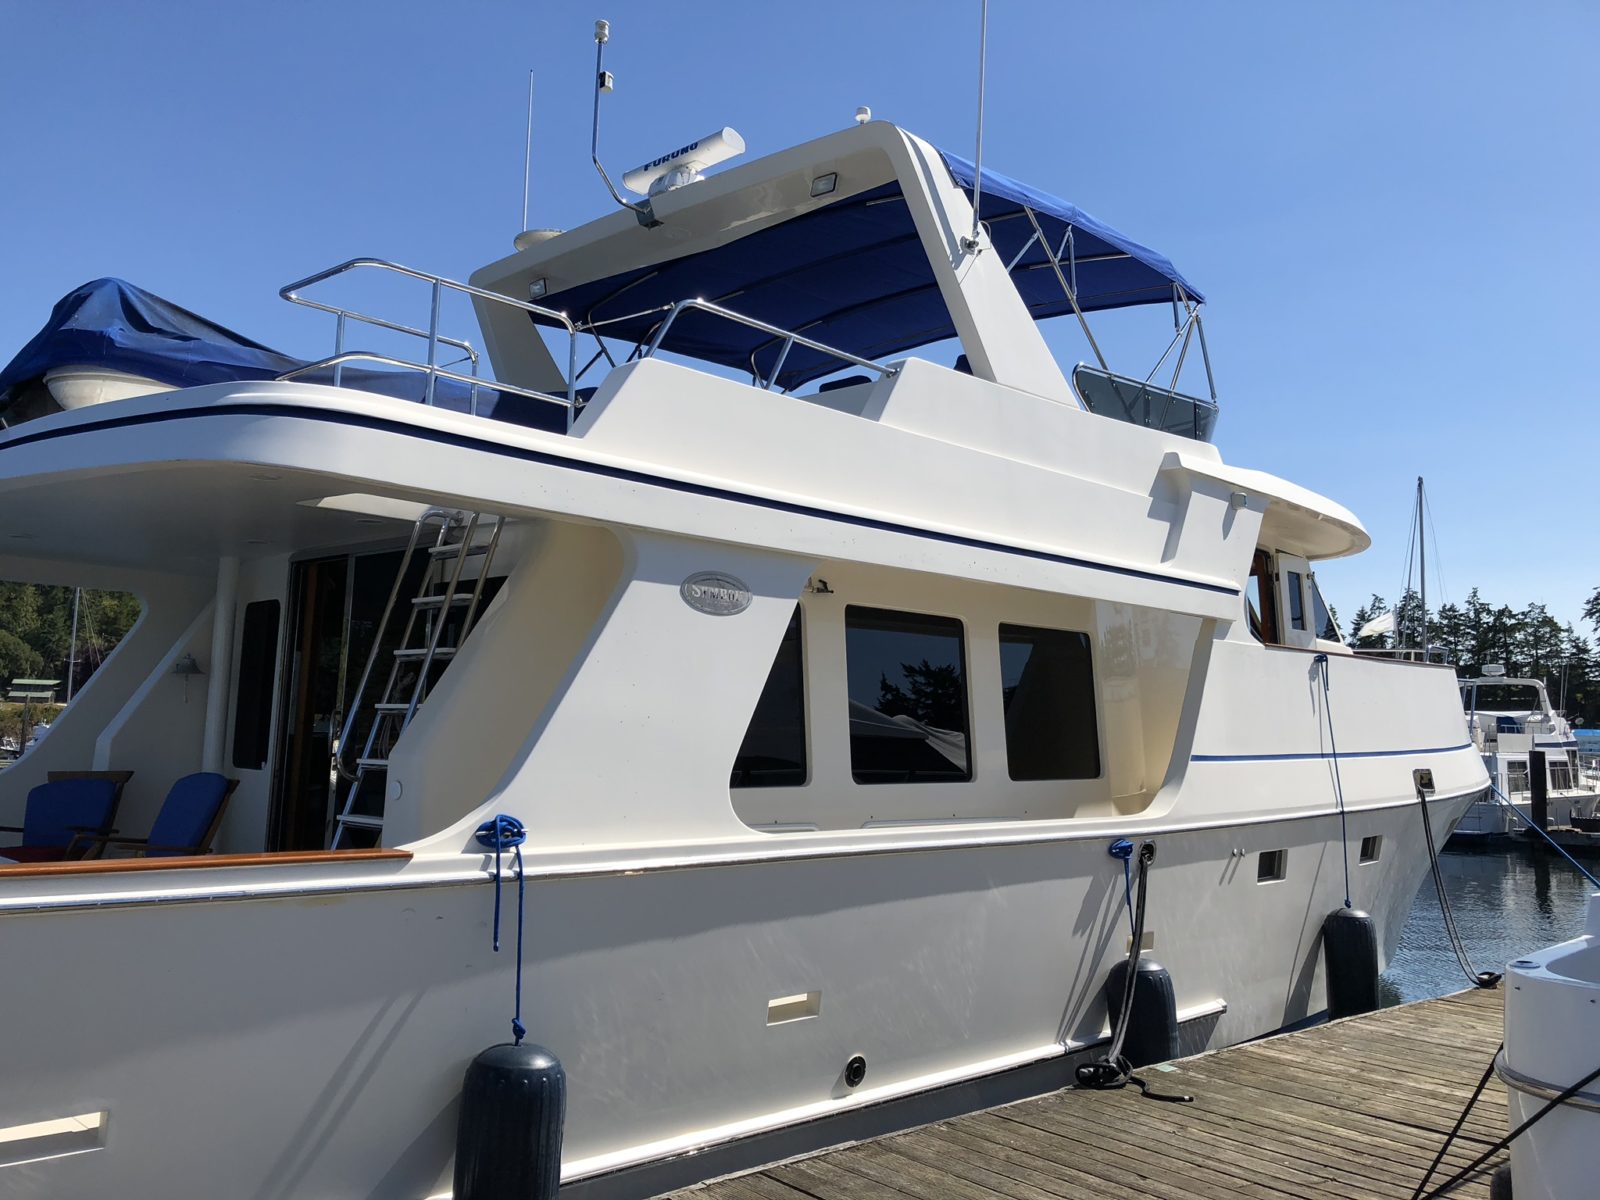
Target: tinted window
{"points": [[1047, 683], [1297, 599], [774, 749], [908, 697], [1326, 629], [252, 707]]}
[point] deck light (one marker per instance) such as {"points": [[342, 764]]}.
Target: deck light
{"points": [[823, 184]]}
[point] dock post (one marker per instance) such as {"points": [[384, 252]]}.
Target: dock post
{"points": [[1539, 785]]}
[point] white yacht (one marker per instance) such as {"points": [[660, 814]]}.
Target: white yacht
{"points": [[821, 670], [1510, 720]]}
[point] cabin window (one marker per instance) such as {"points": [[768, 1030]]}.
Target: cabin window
{"points": [[1260, 605], [1326, 629], [1297, 600], [908, 697], [252, 705], [1047, 687], [1560, 774], [1517, 778], [773, 753]]}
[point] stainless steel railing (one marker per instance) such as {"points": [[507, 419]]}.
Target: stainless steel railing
{"points": [[439, 285], [785, 338]]}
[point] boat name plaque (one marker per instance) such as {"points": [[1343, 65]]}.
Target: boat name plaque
{"points": [[716, 594]]}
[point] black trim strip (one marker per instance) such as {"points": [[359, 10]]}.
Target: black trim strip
{"points": [[466, 442]]}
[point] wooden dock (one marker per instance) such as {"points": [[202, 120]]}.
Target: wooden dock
{"points": [[1353, 1109]]}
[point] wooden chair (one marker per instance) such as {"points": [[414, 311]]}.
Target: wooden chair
{"points": [[60, 815], [187, 823]]}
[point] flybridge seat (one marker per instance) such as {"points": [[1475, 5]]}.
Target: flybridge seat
{"points": [[124, 330]]}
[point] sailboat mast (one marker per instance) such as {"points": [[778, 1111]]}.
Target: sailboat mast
{"points": [[1422, 567]]}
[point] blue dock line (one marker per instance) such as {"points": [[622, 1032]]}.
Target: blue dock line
{"points": [[1528, 821], [1321, 661], [502, 833]]}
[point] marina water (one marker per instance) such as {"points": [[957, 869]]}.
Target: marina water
{"points": [[1507, 902]]}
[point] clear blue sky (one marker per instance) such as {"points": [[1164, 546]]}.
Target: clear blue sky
{"points": [[1392, 209]]}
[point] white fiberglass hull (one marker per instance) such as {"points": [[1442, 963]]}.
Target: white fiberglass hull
{"points": [[312, 1042]]}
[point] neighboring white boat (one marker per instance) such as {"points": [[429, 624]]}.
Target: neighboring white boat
{"points": [[821, 705], [1553, 1042], [1509, 719]]}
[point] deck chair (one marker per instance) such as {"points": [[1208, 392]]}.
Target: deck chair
{"points": [[186, 824], [59, 815]]}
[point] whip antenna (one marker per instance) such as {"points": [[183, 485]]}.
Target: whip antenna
{"points": [[527, 155], [970, 242]]}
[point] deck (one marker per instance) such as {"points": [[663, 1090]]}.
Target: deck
{"points": [[1353, 1109]]}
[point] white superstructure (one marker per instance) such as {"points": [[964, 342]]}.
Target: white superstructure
{"points": [[820, 709], [1510, 719]]}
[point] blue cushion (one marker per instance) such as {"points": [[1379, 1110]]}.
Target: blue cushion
{"points": [[54, 808], [187, 812]]}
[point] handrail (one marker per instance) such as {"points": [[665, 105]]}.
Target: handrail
{"points": [[291, 293], [338, 360], [789, 339]]}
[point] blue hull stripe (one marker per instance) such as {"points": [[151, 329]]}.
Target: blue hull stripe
{"points": [[1343, 754], [466, 442]]}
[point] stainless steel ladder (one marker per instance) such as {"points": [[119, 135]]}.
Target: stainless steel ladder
{"points": [[423, 644]]}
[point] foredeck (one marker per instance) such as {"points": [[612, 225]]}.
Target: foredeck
{"points": [[1356, 1108]]}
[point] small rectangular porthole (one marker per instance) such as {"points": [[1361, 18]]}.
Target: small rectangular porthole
{"points": [[1371, 847], [784, 1009], [53, 1138], [1272, 866]]}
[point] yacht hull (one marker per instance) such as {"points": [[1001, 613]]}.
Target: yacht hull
{"points": [[312, 1042]]}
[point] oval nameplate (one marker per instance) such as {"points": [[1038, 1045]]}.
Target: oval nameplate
{"points": [[714, 593]]}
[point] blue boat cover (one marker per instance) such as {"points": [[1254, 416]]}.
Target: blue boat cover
{"points": [[110, 323], [854, 275]]}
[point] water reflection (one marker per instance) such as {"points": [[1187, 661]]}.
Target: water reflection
{"points": [[1506, 902]]}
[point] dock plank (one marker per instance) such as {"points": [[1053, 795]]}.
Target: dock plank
{"points": [[1352, 1110]]}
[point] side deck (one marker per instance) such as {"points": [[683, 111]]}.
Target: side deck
{"points": [[1356, 1108]]}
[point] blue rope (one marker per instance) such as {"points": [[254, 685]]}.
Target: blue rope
{"points": [[1558, 846], [1321, 661], [1122, 848], [500, 834]]}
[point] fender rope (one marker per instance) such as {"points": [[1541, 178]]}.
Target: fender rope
{"points": [[1479, 979], [1321, 663], [501, 833], [1114, 1070]]}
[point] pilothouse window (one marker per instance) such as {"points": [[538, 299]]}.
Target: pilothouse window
{"points": [[908, 697], [1047, 688], [774, 749], [1297, 601]]}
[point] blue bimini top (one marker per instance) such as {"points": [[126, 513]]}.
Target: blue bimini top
{"points": [[853, 275], [113, 324]]}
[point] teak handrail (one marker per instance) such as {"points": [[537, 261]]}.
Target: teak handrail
{"points": [[287, 858]]}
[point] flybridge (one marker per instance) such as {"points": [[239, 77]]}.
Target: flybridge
{"points": [[851, 271]]}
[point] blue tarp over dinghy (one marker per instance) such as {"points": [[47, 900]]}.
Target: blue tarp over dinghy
{"points": [[111, 324]]}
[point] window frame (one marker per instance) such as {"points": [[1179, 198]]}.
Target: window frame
{"points": [[964, 660], [1093, 697], [797, 619]]}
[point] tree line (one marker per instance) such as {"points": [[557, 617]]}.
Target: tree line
{"points": [[1529, 643], [36, 631]]}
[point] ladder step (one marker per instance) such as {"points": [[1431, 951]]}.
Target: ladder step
{"points": [[438, 601], [392, 708], [372, 762], [453, 550], [360, 821], [414, 655]]}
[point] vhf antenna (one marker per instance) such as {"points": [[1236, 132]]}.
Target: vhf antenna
{"points": [[970, 242], [527, 156], [604, 82]]}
